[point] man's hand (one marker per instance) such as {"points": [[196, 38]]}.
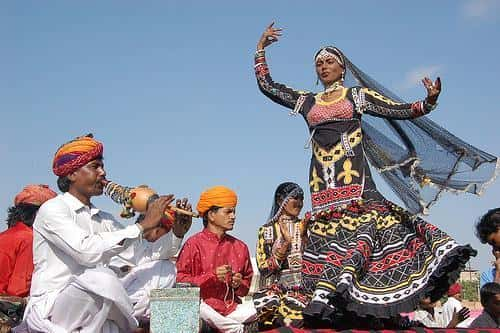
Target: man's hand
{"points": [[182, 222], [236, 280], [458, 317], [155, 212], [222, 271]]}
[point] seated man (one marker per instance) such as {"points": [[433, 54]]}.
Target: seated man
{"points": [[74, 242], [16, 252], [453, 305], [218, 263], [490, 299], [433, 316], [16, 243], [146, 265]]}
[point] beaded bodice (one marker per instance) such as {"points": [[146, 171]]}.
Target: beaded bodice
{"points": [[323, 111]]}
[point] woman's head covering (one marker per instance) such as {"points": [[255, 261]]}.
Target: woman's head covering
{"points": [[417, 158], [219, 196], [34, 195], [73, 155], [284, 192]]}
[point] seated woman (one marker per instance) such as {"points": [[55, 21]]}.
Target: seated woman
{"points": [[279, 259]]}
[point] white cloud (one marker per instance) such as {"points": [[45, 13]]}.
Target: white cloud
{"points": [[480, 8], [414, 77]]}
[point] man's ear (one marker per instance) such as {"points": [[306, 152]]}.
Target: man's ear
{"points": [[210, 215], [72, 176]]}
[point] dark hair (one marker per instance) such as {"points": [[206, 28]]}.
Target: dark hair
{"points": [[24, 213], [63, 183], [488, 291], [488, 224], [205, 216], [284, 189]]}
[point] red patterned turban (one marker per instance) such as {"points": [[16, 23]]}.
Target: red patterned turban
{"points": [[220, 196], [73, 155], [34, 195]]}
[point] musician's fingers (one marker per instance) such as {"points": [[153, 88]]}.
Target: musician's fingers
{"points": [[189, 207], [165, 200]]}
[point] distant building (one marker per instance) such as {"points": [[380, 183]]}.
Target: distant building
{"points": [[469, 275]]}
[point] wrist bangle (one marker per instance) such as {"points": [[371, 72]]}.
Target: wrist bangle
{"points": [[428, 106], [260, 52]]}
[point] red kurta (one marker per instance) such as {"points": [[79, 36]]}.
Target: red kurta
{"points": [[201, 255], [16, 260]]}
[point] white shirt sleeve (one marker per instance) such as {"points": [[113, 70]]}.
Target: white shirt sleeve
{"points": [[143, 251], [164, 248], [56, 222]]}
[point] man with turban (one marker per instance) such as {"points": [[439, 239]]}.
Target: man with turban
{"points": [[16, 243], [73, 288], [453, 305], [218, 263], [16, 249]]}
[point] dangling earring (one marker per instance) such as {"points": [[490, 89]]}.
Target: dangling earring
{"points": [[317, 81]]}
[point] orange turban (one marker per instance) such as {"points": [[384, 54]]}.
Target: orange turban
{"points": [[73, 155], [219, 196], [34, 195]]}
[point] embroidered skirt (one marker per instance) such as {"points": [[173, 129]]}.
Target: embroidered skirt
{"points": [[372, 259]]}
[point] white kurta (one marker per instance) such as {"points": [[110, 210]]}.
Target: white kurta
{"points": [[436, 321], [69, 239], [453, 305]]}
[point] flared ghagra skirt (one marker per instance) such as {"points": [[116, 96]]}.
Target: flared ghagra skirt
{"points": [[373, 259]]}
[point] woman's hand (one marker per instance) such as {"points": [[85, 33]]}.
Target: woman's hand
{"points": [[285, 222], [433, 89], [269, 36]]}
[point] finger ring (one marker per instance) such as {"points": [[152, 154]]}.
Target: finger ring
{"points": [[269, 38]]}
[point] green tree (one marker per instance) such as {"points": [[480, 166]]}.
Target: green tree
{"points": [[470, 290]]}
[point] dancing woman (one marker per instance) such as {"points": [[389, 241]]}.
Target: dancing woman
{"points": [[366, 256]]}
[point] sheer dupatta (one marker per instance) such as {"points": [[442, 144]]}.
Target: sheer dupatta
{"points": [[418, 158]]}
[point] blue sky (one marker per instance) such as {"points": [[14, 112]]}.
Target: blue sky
{"points": [[168, 86]]}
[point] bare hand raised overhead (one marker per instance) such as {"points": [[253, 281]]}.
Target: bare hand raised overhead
{"points": [[269, 36], [433, 89]]}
